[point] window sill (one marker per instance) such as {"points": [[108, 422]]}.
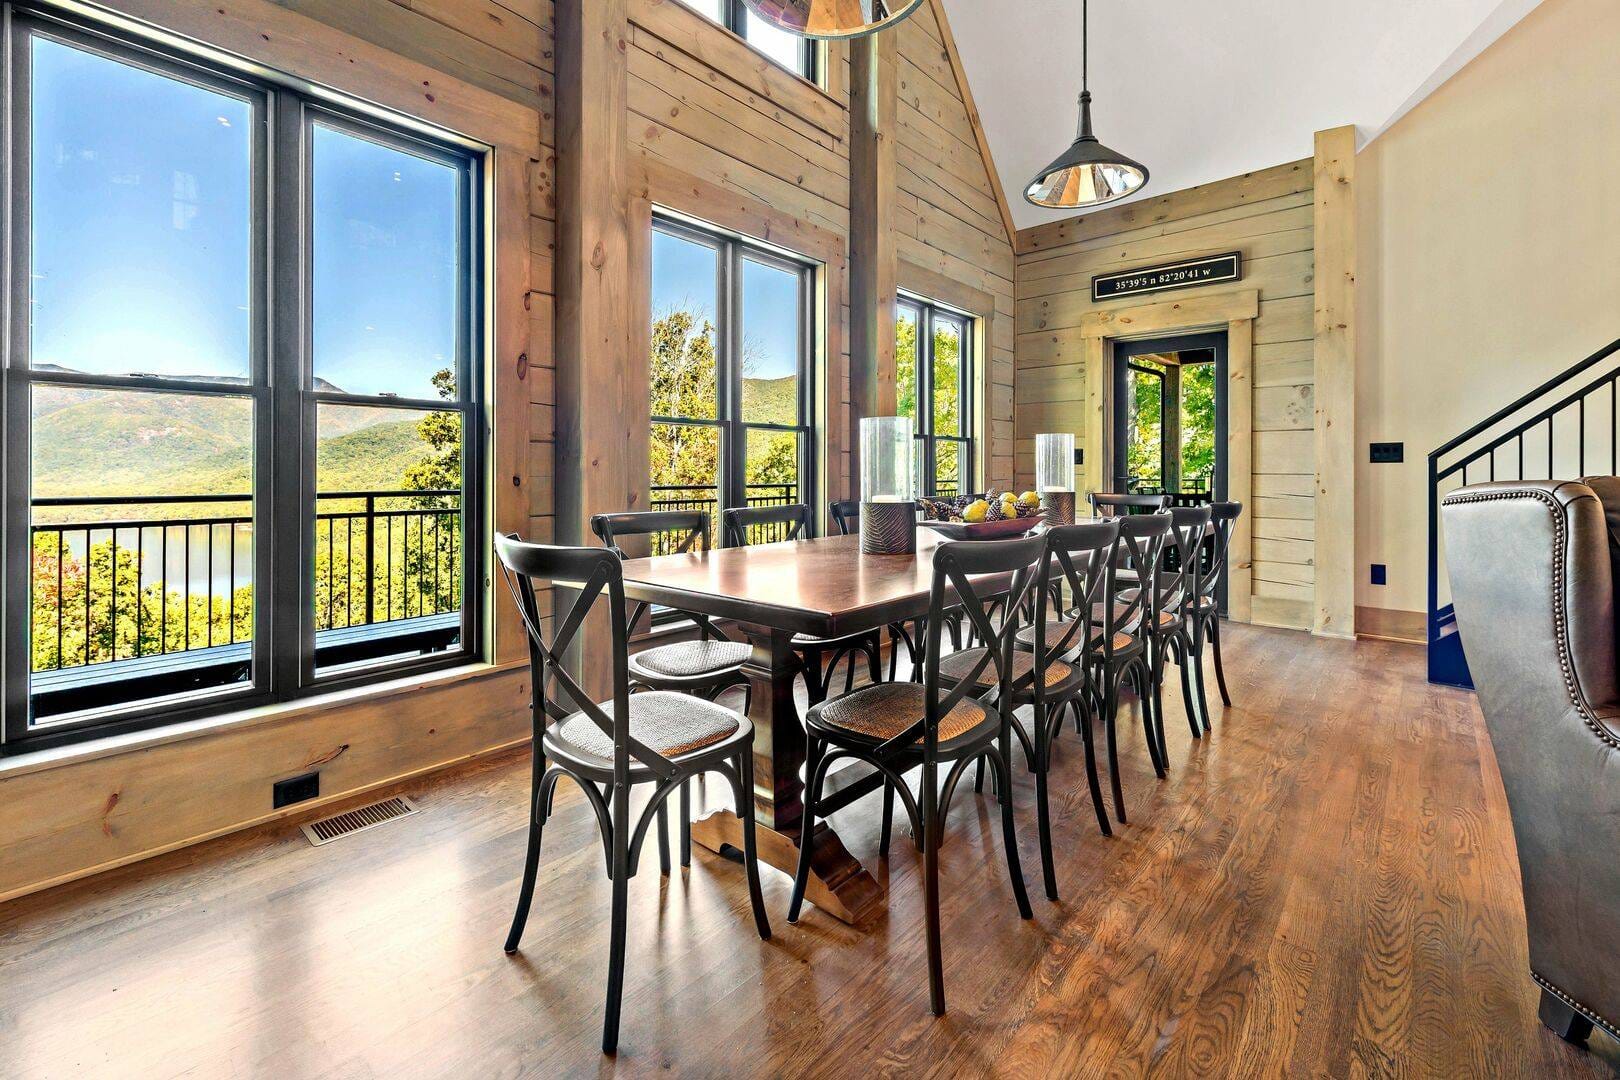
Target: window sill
{"points": [[26, 762]]}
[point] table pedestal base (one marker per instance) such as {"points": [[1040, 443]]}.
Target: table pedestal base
{"points": [[839, 884]]}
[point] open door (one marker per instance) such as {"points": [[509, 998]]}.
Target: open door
{"points": [[1169, 423]]}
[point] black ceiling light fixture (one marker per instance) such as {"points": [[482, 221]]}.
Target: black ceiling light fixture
{"points": [[832, 19], [1088, 173]]}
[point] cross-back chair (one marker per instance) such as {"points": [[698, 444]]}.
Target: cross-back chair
{"points": [[820, 656], [1169, 634], [1204, 618], [707, 667], [1118, 504], [657, 738], [942, 722]]}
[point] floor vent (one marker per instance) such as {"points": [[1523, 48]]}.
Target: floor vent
{"points": [[338, 826]]}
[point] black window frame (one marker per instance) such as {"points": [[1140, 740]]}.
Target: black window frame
{"points": [[731, 250], [736, 20], [926, 312], [280, 386]]}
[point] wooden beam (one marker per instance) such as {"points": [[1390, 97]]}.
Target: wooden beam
{"points": [[595, 474], [1335, 336], [949, 41], [873, 187]]}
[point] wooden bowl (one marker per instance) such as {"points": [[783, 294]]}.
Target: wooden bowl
{"points": [[984, 530]]}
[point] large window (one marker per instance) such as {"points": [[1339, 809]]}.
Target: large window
{"points": [[934, 372], [731, 374], [241, 377], [795, 53]]}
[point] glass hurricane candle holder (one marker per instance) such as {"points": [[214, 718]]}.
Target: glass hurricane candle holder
{"points": [[1054, 476], [888, 486]]}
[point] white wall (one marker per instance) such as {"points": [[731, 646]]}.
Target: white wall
{"points": [[1489, 233]]}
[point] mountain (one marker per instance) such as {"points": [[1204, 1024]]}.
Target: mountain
{"points": [[126, 442], [771, 401]]}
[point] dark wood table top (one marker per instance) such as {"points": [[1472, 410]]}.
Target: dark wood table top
{"points": [[823, 587]]}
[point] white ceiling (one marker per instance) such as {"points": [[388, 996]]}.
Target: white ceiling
{"points": [[1200, 90]]}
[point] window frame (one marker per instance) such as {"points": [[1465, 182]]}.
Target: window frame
{"points": [[279, 385], [735, 19], [731, 484], [926, 312]]}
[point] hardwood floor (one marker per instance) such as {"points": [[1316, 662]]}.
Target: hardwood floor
{"points": [[1325, 887]]}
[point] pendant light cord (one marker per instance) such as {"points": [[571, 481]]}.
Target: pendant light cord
{"points": [[1085, 45]]}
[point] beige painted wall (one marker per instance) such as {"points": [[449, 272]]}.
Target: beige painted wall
{"points": [[1490, 259]]}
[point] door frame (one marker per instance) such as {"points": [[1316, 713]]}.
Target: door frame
{"points": [[1233, 311], [1129, 349]]}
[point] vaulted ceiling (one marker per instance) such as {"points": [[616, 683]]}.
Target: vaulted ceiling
{"points": [[1200, 90]]}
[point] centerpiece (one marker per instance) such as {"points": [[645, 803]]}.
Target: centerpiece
{"points": [[888, 486], [1054, 475]]}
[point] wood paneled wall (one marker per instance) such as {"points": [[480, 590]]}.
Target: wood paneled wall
{"points": [[712, 129], [1269, 217], [950, 215]]}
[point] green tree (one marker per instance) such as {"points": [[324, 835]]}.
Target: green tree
{"points": [[1197, 422], [1144, 457]]}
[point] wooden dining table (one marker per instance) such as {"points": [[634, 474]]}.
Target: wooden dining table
{"points": [[821, 588]]}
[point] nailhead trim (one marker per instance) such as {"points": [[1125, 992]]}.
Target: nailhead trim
{"points": [[1560, 583], [1590, 1014]]}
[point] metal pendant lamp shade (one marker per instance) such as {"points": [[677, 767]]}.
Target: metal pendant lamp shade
{"points": [[1088, 173], [832, 19]]}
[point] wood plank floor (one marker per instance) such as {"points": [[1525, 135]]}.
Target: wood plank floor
{"points": [[1326, 887]]}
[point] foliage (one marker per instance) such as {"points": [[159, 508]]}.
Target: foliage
{"points": [[947, 375], [1144, 454], [103, 593], [1197, 421]]}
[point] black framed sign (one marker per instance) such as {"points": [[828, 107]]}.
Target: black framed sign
{"points": [[1209, 270]]}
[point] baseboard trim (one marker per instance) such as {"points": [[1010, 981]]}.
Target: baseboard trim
{"points": [[1392, 624]]}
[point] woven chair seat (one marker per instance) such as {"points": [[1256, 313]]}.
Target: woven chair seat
{"points": [[959, 666], [689, 659], [883, 711], [801, 641], [1056, 630], [672, 724]]}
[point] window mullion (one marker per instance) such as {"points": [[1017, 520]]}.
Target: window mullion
{"points": [[288, 597]]}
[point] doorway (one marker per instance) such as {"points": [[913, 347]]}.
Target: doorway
{"points": [[1169, 422]]}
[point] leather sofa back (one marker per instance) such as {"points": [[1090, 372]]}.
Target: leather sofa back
{"points": [[1532, 578]]}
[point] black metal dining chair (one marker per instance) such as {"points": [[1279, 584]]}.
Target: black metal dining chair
{"points": [[1049, 668], [1204, 616], [896, 727], [820, 656], [1169, 616], [1118, 504], [707, 667], [656, 738]]}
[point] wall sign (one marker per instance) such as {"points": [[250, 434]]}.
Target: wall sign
{"points": [[1181, 275]]}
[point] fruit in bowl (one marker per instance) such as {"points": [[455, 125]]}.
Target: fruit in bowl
{"points": [[976, 511], [1029, 498]]}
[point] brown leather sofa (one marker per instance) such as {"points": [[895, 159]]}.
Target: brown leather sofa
{"points": [[1533, 569]]}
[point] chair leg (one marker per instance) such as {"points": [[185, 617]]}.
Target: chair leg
{"points": [[849, 670], [1083, 723], [745, 810], [1187, 663], [1009, 832], [1563, 1020], [894, 651], [619, 917], [1152, 700], [531, 867], [1110, 710], [1043, 810], [807, 830], [978, 777], [686, 823], [888, 817], [874, 658], [663, 837], [1197, 665], [1220, 672], [815, 687], [931, 828]]}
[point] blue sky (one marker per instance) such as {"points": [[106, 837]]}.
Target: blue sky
{"points": [[684, 277], [142, 244]]}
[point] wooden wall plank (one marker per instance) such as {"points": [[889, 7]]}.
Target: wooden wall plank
{"points": [[1334, 325]]}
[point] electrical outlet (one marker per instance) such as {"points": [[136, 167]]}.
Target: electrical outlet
{"points": [[1388, 453], [1079, 455], [1380, 575], [295, 789]]}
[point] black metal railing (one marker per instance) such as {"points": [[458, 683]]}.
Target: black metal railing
{"points": [[1554, 431], [677, 497], [106, 588]]}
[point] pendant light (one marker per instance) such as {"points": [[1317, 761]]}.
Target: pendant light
{"points": [[1088, 173], [832, 19]]}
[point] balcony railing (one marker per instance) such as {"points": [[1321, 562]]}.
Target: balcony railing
{"points": [[107, 588], [676, 497]]}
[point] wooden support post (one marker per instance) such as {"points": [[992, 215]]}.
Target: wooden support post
{"points": [[1335, 233], [595, 375], [873, 184]]}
